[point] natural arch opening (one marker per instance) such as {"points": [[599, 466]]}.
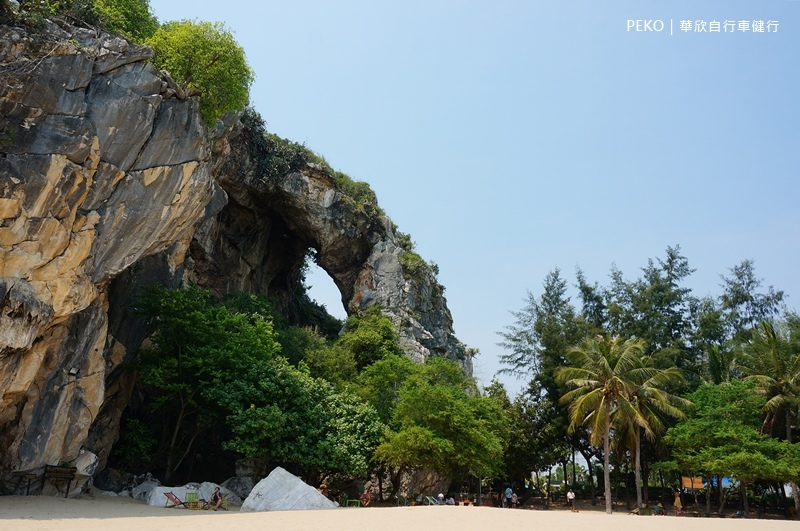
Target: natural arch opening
{"points": [[321, 288]]}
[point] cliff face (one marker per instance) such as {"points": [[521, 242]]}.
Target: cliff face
{"points": [[109, 181]]}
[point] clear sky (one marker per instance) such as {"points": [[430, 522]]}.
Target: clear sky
{"points": [[510, 138]]}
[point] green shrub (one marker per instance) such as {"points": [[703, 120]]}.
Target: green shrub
{"points": [[359, 195], [130, 18], [204, 56]]}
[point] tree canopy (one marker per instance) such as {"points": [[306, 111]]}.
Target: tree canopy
{"points": [[204, 56]]}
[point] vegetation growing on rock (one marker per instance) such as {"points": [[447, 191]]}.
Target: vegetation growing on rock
{"points": [[204, 57]]}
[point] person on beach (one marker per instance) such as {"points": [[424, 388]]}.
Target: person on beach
{"points": [[571, 500], [508, 494], [678, 505], [365, 498], [216, 499]]}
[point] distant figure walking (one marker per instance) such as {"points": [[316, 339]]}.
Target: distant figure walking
{"points": [[571, 500], [678, 505]]}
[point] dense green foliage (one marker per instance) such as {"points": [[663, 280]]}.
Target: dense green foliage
{"points": [[283, 415], [439, 422], [217, 380], [205, 57], [628, 402], [130, 18]]}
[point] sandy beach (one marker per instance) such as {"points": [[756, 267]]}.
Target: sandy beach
{"points": [[38, 513]]}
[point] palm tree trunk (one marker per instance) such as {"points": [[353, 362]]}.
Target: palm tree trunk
{"points": [[638, 470], [795, 493], [606, 464]]}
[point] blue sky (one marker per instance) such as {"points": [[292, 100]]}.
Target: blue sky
{"points": [[513, 137]]}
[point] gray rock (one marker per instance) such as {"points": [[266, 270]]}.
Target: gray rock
{"points": [[283, 491], [58, 85], [111, 480], [242, 486], [144, 490]]}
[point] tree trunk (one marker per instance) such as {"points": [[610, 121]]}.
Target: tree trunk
{"points": [[591, 476], [549, 486], [745, 502], [638, 469], [169, 468], [606, 464], [708, 495], [723, 496], [627, 490], [795, 493], [574, 476], [396, 482]]}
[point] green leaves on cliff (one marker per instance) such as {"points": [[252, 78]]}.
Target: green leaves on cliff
{"points": [[275, 157], [204, 56], [130, 18]]}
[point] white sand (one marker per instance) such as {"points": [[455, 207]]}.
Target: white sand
{"points": [[38, 513]]}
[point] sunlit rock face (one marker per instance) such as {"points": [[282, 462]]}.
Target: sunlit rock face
{"points": [[109, 181], [99, 167]]}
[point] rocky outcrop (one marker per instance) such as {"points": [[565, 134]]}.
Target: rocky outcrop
{"points": [[98, 170], [108, 181], [283, 491]]}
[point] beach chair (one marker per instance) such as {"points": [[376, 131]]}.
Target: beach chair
{"points": [[224, 504], [430, 500], [192, 501], [175, 501]]}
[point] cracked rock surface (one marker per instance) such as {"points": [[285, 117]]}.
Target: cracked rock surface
{"points": [[109, 180]]}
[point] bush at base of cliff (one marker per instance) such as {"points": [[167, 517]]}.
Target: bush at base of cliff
{"points": [[205, 57]]}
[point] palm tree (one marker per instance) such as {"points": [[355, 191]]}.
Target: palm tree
{"points": [[646, 409], [603, 373], [720, 364], [772, 361]]}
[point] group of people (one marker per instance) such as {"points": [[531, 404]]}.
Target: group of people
{"points": [[510, 498]]}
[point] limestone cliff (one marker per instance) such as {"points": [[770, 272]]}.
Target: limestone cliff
{"points": [[109, 180]]}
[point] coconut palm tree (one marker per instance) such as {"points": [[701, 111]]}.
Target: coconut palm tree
{"points": [[602, 375], [646, 410]]}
